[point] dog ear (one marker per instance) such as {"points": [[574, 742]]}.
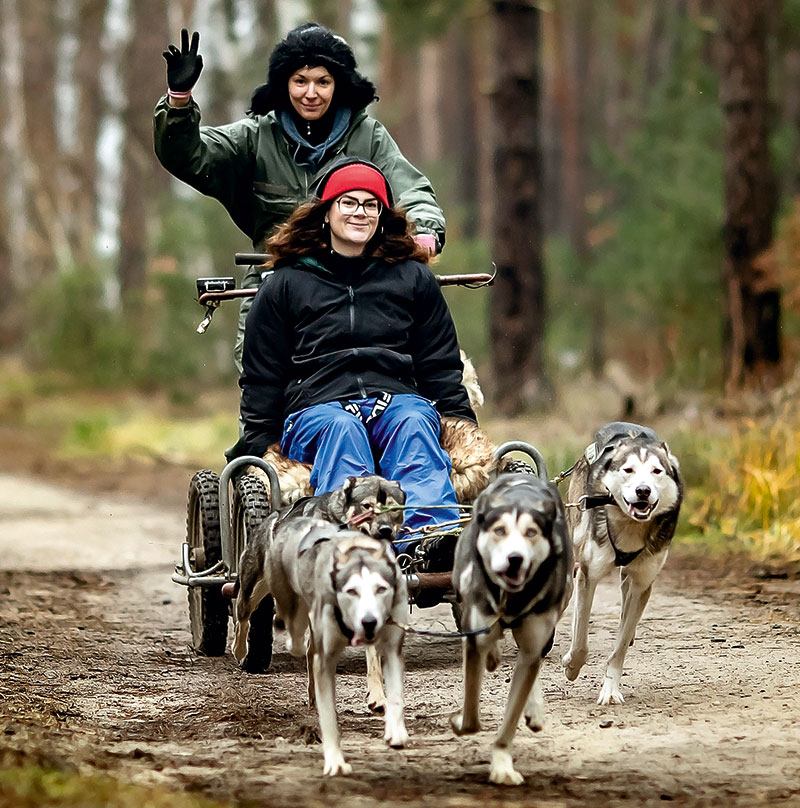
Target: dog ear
{"points": [[347, 489], [676, 466], [341, 497], [394, 491]]}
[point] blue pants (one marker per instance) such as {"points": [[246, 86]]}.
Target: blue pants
{"points": [[401, 444]]}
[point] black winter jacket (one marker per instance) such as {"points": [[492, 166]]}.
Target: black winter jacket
{"points": [[316, 335]]}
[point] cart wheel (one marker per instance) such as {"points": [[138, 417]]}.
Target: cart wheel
{"points": [[208, 609], [250, 508]]}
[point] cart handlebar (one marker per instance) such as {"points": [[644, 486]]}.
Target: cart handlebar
{"points": [[213, 291]]}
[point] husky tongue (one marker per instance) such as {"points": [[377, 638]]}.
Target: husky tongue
{"points": [[639, 509]]}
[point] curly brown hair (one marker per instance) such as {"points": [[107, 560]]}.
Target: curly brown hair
{"points": [[304, 233]]}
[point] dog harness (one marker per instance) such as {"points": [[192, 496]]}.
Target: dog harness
{"points": [[621, 557]]}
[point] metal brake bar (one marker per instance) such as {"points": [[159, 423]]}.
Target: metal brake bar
{"points": [[184, 575]]}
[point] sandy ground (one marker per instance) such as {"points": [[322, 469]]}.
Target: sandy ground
{"points": [[97, 674]]}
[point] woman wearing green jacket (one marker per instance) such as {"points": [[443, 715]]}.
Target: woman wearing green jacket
{"points": [[310, 112]]}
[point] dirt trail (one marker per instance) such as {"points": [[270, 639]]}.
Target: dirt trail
{"points": [[97, 673]]}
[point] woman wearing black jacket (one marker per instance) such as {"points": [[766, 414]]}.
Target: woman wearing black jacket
{"points": [[350, 352]]}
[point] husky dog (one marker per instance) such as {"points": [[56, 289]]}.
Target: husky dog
{"points": [[361, 500], [629, 491], [513, 570], [348, 590]]}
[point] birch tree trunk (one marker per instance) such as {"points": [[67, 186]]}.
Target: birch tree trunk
{"points": [[90, 15], [518, 309], [752, 320], [13, 220]]}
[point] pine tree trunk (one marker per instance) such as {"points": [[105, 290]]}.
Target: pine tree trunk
{"points": [[46, 239], [480, 32], [752, 321], [518, 300], [144, 80], [399, 107]]}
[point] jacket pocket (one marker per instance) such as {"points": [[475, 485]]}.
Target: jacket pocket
{"points": [[276, 200]]}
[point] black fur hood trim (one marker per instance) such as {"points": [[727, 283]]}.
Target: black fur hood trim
{"points": [[316, 46]]}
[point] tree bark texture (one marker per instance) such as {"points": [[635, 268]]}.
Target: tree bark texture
{"points": [[518, 300], [399, 108], [752, 320], [144, 82], [46, 241]]}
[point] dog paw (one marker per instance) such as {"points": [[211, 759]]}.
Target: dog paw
{"points": [[610, 693], [377, 707], [335, 764], [396, 737], [534, 721], [460, 728], [502, 771], [572, 663], [239, 647], [492, 659]]}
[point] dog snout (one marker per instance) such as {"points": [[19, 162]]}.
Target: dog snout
{"points": [[514, 562], [643, 492], [385, 532], [369, 624]]}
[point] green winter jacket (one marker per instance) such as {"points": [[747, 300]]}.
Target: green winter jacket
{"points": [[248, 167]]}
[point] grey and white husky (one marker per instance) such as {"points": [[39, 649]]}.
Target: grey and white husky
{"points": [[629, 490], [513, 570], [346, 589]]}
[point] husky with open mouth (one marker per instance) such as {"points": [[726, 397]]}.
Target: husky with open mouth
{"points": [[513, 570], [345, 588], [627, 491]]}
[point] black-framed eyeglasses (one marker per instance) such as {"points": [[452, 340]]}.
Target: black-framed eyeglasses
{"points": [[349, 206]]}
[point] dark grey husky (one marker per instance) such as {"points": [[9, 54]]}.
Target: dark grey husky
{"points": [[629, 490]]}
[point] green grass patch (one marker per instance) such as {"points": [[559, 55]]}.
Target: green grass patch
{"points": [[29, 786]]}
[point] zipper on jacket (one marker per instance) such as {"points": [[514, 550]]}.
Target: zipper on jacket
{"points": [[352, 295]]}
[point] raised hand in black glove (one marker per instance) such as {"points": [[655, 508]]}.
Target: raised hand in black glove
{"points": [[185, 65]]}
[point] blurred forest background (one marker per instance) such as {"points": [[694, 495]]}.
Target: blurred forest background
{"points": [[632, 167]]}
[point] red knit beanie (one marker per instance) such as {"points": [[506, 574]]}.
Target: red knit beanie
{"points": [[356, 177]]}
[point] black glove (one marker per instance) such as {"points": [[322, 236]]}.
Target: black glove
{"points": [[185, 65]]}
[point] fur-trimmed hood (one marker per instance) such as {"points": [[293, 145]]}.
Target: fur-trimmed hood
{"points": [[312, 45]]}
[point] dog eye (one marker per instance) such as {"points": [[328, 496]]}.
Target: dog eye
{"points": [[628, 469], [351, 592], [658, 471], [530, 533], [379, 590], [500, 531]]}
